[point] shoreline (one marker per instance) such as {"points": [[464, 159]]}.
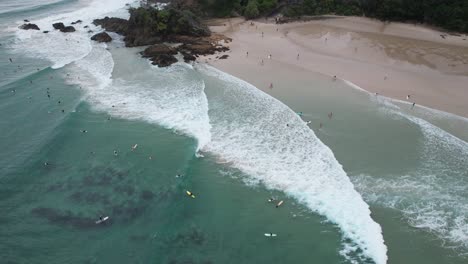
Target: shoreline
{"points": [[391, 59]]}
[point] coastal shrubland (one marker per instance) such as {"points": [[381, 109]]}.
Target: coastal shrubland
{"points": [[448, 14]]}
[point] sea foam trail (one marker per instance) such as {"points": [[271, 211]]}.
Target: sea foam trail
{"points": [[169, 97], [265, 139], [441, 179]]}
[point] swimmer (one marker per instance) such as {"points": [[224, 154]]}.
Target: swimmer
{"points": [[115, 153], [134, 147], [11, 60], [271, 199]]}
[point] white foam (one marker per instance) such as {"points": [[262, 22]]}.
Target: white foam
{"points": [[249, 130], [163, 96], [435, 196], [64, 48]]}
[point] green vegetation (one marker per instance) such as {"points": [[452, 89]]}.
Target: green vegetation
{"points": [[152, 21], [448, 14]]}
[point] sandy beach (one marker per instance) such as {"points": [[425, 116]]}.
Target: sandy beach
{"points": [[391, 59]]}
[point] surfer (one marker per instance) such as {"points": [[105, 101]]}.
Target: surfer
{"points": [[191, 194], [134, 147], [271, 199], [115, 153], [11, 60], [279, 203], [308, 122]]}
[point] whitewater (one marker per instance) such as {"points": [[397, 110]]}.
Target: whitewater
{"points": [[254, 133]]}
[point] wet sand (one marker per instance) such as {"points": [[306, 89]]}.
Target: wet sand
{"points": [[391, 59]]}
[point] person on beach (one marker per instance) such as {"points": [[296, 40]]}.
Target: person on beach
{"points": [[269, 56], [330, 115], [321, 125], [297, 56], [261, 62], [408, 97], [247, 54], [271, 85], [334, 77]]}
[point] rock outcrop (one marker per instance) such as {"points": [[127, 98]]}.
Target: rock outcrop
{"points": [[160, 54], [68, 29], [149, 26], [30, 26], [102, 37], [113, 24], [58, 25]]}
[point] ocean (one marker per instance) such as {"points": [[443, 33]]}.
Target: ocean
{"points": [[92, 129]]}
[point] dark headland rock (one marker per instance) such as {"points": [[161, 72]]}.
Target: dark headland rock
{"points": [[102, 37], [76, 22], [58, 25], [164, 60], [225, 56], [68, 29], [113, 24], [152, 27], [30, 26], [160, 54]]}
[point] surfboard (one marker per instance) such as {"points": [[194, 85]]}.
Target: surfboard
{"points": [[279, 204], [134, 147], [103, 220], [270, 235], [190, 194]]}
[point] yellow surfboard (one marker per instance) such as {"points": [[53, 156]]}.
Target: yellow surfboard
{"points": [[190, 194]]}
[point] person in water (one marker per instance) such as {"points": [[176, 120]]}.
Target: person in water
{"points": [[413, 105]]}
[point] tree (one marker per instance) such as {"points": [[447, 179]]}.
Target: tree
{"points": [[251, 10]]}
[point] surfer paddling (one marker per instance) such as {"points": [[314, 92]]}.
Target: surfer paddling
{"points": [[279, 203]]}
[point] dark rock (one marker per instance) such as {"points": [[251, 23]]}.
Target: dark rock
{"points": [[68, 29], [164, 60], [86, 26], [90, 31], [30, 26], [58, 25], [27, 21], [102, 37], [46, 31], [117, 25], [158, 49], [76, 22], [188, 57], [224, 57]]}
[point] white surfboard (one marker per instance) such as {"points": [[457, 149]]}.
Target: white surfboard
{"points": [[102, 220], [270, 235]]}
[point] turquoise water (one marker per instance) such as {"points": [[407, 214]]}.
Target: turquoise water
{"points": [[233, 146]]}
